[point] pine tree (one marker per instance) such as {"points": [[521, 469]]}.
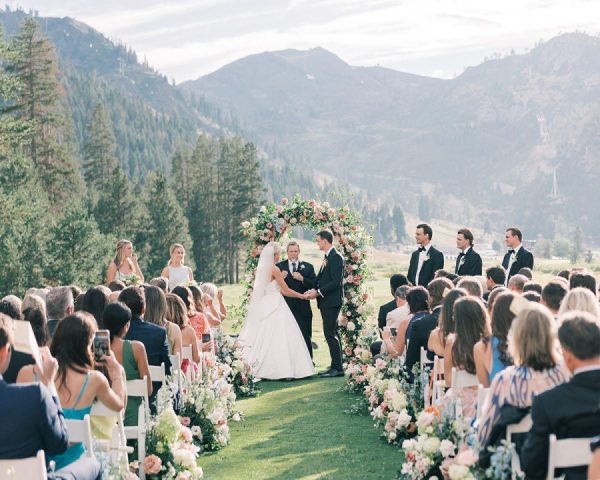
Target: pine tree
{"points": [[32, 62], [164, 223], [99, 158], [399, 223], [116, 209]]}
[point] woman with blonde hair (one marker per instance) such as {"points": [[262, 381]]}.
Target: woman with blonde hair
{"points": [[177, 314], [156, 311], [581, 299], [210, 292], [176, 271], [537, 367], [124, 265]]}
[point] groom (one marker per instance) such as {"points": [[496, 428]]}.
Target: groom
{"points": [[300, 277], [329, 294]]}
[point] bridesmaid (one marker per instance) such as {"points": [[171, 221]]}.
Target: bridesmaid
{"points": [[124, 264], [176, 271]]}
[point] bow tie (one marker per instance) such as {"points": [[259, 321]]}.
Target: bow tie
{"points": [[422, 249], [461, 254], [511, 251]]}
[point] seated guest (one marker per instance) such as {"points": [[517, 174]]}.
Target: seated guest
{"points": [[532, 286], [446, 323], [472, 324], [116, 286], [532, 296], [162, 283], [580, 299], [493, 296], [564, 274], [394, 318], [526, 272], [130, 354], [177, 314], [156, 311], [517, 283], [11, 307], [418, 303], [553, 294], [396, 280], [471, 285], [36, 319], [569, 410], [419, 329], [94, 301], [32, 300], [152, 336], [495, 278], [215, 316], [31, 416], [594, 470], [491, 353], [198, 320], [59, 304], [583, 279], [532, 345]]}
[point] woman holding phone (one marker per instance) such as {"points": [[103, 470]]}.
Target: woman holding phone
{"points": [[125, 265], [78, 384]]}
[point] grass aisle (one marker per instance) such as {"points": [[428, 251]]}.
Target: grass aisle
{"points": [[299, 430]]}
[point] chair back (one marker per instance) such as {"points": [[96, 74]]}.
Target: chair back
{"points": [[522, 427], [567, 453], [139, 388], [187, 354], [21, 468], [423, 358], [118, 446], [482, 394], [462, 379], [157, 374], [80, 431], [438, 383]]}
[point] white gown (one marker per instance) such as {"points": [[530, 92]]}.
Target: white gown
{"points": [[273, 342]]}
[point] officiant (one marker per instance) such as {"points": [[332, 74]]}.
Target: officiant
{"points": [[300, 277]]}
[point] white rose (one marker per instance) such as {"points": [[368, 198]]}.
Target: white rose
{"points": [[431, 445], [392, 436], [403, 419], [263, 209], [351, 327], [398, 401], [447, 448], [458, 472]]}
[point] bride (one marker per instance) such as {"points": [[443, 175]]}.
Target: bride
{"points": [[273, 342]]}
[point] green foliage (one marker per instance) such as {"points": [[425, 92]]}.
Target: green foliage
{"points": [[99, 158], [543, 248], [117, 209], [77, 251], [496, 246], [576, 248], [561, 247]]}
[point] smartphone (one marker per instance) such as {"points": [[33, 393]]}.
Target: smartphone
{"points": [[205, 337], [101, 344], [393, 331]]}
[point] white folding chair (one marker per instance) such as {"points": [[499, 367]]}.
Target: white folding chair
{"points": [[118, 445], [32, 467], [157, 374], [567, 453], [423, 362], [139, 388], [482, 394], [522, 427], [460, 380], [437, 395], [423, 359], [80, 431], [176, 371]]}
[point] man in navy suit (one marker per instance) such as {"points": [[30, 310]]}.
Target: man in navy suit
{"points": [[152, 336], [426, 260], [468, 262], [570, 410], [517, 257], [329, 294], [31, 416]]}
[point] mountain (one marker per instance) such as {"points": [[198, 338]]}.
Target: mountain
{"points": [[485, 146]]}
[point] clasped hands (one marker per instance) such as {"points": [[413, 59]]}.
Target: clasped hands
{"points": [[311, 294]]}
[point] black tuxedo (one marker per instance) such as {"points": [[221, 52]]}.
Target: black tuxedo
{"points": [[570, 410], [468, 264], [301, 308], [329, 284], [419, 337], [435, 263], [524, 260]]}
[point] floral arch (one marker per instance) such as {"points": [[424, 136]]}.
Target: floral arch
{"points": [[350, 238]]}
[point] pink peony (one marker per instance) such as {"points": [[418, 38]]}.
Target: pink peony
{"points": [[185, 421], [348, 351], [467, 457], [380, 363], [152, 465], [293, 221], [343, 321], [186, 434]]}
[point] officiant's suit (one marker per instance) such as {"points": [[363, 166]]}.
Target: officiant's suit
{"points": [[329, 285], [300, 308]]}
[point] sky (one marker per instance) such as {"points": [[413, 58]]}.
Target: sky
{"points": [[185, 39]]}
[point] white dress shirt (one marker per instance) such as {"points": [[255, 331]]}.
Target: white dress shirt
{"points": [[511, 261], [291, 265]]}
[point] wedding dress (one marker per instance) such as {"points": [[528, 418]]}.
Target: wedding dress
{"points": [[273, 343]]}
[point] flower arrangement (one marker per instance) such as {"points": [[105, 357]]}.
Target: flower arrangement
{"points": [[351, 239], [240, 374], [131, 280]]}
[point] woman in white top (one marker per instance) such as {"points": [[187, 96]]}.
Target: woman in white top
{"points": [[176, 271], [124, 265]]}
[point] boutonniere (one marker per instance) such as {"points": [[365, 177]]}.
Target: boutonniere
{"points": [[301, 266], [513, 257], [462, 261], [427, 257]]}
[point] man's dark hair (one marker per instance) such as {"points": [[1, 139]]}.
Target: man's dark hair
{"points": [[426, 230], [532, 296], [526, 272], [515, 231], [564, 274], [418, 299], [397, 280], [553, 294], [115, 317], [452, 277], [133, 297], [467, 234], [10, 309], [533, 287], [583, 279], [497, 274], [471, 285], [116, 286], [326, 235], [579, 333]]}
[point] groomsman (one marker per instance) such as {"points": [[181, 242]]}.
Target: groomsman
{"points": [[300, 277], [517, 257], [426, 260], [468, 261]]}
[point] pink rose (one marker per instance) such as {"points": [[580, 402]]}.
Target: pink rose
{"points": [[186, 434], [269, 225], [152, 464], [185, 421], [343, 321], [312, 203], [348, 351], [293, 221], [380, 363], [466, 457], [365, 297], [284, 201]]}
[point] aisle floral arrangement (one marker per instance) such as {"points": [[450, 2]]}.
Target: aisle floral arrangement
{"points": [[240, 374]]}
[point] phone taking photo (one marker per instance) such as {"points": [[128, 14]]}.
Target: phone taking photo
{"points": [[205, 337], [101, 344]]}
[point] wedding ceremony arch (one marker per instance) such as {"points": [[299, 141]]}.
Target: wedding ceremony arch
{"points": [[351, 239]]}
